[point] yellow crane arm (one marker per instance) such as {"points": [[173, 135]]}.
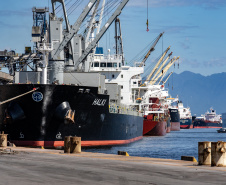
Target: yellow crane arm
{"points": [[166, 78], [151, 49], [172, 61], [160, 68], [156, 66]]}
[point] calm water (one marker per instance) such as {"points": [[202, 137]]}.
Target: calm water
{"points": [[172, 146]]}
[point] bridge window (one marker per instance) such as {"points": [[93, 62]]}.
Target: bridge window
{"points": [[113, 76], [114, 64], [96, 64], [109, 64], [119, 64], [121, 76], [102, 64]]}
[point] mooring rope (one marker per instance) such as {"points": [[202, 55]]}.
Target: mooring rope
{"points": [[34, 89]]}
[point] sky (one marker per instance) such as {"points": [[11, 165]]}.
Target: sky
{"points": [[195, 30]]}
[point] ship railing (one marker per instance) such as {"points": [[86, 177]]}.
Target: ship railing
{"points": [[124, 110]]}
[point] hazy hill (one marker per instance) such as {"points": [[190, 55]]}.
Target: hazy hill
{"points": [[199, 92]]}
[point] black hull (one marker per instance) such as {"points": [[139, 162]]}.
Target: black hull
{"points": [[204, 124], [41, 123]]}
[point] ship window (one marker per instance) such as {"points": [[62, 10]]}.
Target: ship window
{"points": [[122, 87], [121, 76], [102, 64], [56, 28], [91, 64], [134, 82], [113, 76], [109, 64], [114, 64], [121, 97], [96, 64], [119, 64]]}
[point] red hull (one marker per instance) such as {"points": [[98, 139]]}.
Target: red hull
{"points": [[186, 126], [168, 129], [83, 143], [154, 128], [175, 126]]}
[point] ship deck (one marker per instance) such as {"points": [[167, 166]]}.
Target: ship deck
{"points": [[47, 166]]}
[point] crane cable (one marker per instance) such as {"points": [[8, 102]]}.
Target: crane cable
{"points": [[147, 17]]}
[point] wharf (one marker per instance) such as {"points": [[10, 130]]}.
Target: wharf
{"points": [[46, 166]]}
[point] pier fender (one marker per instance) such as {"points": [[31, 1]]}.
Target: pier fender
{"points": [[64, 113], [13, 113]]}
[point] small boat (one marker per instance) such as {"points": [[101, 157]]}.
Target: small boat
{"points": [[222, 130]]}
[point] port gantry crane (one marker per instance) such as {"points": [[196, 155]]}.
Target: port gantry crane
{"points": [[75, 28]]}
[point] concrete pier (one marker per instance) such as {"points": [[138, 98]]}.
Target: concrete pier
{"points": [[42, 166]]}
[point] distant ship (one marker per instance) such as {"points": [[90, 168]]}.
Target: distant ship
{"points": [[209, 120], [185, 116]]}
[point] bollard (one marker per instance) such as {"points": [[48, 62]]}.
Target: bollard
{"points": [[204, 149], [3, 139], [75, 145], [218, 153], [67, 144]]}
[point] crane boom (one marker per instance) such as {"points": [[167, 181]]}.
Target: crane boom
{"points": [[151, 49], [166, 78], [163, 64], [100, 34], [156, 66], [172, 61], [74, 29]]}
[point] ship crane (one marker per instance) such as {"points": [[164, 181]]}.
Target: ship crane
{"points": [[163, 64], [156, 66], [166, 78], [75, 28], [150, 50], [172, 61], [101, 33]]}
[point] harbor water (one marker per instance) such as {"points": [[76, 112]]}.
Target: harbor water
{"points": [[171, 146]]}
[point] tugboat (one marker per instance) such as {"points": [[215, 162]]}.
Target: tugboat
{"points": [[209, 120], [59, 95]]}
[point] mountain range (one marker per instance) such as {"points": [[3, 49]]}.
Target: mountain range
{"points": [[198, 92]]}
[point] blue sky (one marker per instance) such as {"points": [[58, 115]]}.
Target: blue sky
{"points": [[195, 30]]}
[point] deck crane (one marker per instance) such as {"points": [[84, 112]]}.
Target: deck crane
{"points": [[151, 49], [166, 78], [163, 64], [156, 66], [101, 33], [74, 29], [172, 61]]}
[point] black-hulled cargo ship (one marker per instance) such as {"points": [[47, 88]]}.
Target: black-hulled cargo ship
{"points": [[41, 118], [209, 120], [60, 96], [174, 119]]}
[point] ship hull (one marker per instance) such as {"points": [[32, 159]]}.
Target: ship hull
{"points": [[39, 123], [186, 123], [169, 126], [154, 128], [175, 119], [206, 124]]}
